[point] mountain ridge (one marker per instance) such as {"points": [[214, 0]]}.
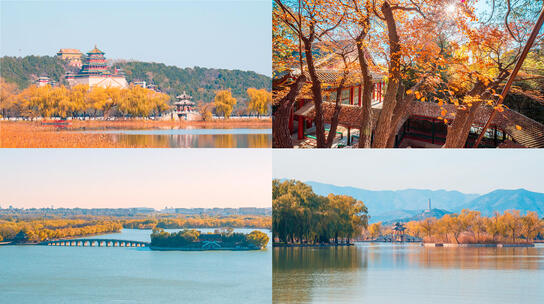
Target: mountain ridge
{"points": [[392, 205]]}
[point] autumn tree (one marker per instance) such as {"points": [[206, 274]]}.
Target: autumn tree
{"points": [[8, 92], [224, 103], [259, 100], [375, 230]]}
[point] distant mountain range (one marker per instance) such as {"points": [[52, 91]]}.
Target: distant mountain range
{"points": [[501, 200], [404, 205]]}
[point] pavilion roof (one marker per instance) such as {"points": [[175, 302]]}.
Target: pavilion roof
{"points": [[95, 51]]}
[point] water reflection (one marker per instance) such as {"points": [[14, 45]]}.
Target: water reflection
{"points": [[386, 273], [194, 141]]}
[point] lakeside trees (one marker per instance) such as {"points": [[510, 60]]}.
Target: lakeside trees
{"points": [[80, 101], [471, 227], [135, 101], [425, 50], [302, 217], [38, 230], [224, 103], [245, 221], [259, 101]]}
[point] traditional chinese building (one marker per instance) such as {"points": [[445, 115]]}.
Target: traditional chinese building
{"points": [[73, 56], [43, 81], [96, 72], [420, 124], [185, 107]]}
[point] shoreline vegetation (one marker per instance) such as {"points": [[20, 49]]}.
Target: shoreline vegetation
{"points": [[302, 218], [33, 134], [470, 227], [194, 240], [33, 229]]}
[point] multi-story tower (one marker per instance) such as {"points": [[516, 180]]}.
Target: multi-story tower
{"points": [[95, 72]]}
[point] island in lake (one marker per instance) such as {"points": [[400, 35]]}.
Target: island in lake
{"points": [[194, 240]]}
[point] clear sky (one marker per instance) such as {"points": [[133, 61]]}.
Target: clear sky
{"points": [[214, 34], [119, 178], [470, 171]]}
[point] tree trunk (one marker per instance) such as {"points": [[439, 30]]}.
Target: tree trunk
{"points": [[334, 119], [383, 127], [460, 128], [280, 118], [316, 91], [365, 130]]}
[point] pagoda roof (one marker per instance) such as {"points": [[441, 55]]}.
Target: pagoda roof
{"points": [[95, 51], [184, 96]]}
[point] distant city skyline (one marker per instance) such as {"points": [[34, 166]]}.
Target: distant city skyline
{"points": [[125, 178], [212, 34], [477, 171]]}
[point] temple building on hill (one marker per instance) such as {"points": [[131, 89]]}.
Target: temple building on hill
{"points": [[44, 80], [73, 56], [95, 72]]}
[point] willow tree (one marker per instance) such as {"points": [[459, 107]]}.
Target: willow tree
{"points": [[259, 100], [224, 103]]}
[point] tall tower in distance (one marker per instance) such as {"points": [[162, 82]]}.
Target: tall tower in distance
{"points": [[429, 209]]}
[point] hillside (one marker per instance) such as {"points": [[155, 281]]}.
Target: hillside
{"points": [[502, 200], [418, 216], [23, 70], [201, 83], [380, 202]]}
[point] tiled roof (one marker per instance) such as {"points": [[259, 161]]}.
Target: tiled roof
{"points": [[70, 51], [522, 129], [96, 50]]}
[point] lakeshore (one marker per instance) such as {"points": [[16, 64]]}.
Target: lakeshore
{"points": [[228, 133]]}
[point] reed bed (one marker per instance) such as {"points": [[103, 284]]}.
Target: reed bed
{"points": [[26, 134]]}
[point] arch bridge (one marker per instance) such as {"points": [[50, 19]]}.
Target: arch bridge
{"points": [[95, 243]]}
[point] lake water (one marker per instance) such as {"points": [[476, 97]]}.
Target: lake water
{"points": [[191, 138], [409, 273], [51, 274]]}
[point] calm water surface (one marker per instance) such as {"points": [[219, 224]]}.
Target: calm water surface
{"points": [[191, 138], [385, 273], [51, 274]]}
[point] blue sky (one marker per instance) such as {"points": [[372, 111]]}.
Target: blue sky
{"points": [[470, 171], [214, 34], [119, 178]]}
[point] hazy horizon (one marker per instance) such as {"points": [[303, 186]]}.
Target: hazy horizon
{"points": [[471, 171], [224, 34], [128, 178]]}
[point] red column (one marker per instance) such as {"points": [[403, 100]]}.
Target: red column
{"points": [[360, 95], [380, 91], [300, 127], [351, 95]]}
